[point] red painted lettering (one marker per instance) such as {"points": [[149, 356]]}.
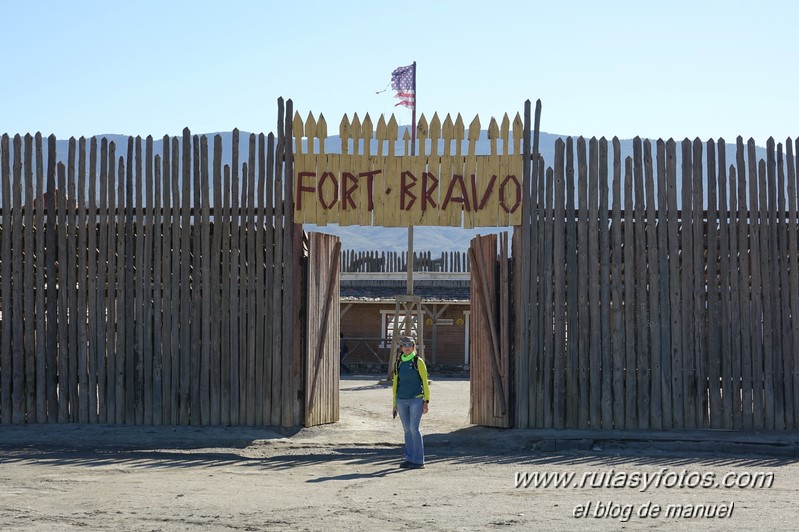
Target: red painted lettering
{"points": [[406, 190], [325, 176], [301, 188], [503, 194], [473, 183], [463, 198], [370, 179], [428, 179], [487, 193], [347, 190]]}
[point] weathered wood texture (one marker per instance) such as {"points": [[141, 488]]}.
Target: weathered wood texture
{"points": [[490, 332], [151, 290], [145, 292], [430, 187], [322, 331], [685, 281]]}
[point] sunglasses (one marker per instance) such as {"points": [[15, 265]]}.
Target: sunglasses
{"points": [[406, 344]]}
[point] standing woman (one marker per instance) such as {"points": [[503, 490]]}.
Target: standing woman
{"points": [[411, 399]]}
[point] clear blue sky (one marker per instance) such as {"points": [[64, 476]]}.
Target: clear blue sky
{"points": [[683, 68]]}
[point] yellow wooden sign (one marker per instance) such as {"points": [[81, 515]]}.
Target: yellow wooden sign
{"points": [[436, 187]]}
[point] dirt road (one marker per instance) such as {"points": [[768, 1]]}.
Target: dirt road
{"points": [[345, 477]]}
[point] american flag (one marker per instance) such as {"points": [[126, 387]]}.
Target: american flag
{"points": [[403, 81]]}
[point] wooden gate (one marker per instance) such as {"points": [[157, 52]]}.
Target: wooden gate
{"points": [[322, 330], [490, 332]]}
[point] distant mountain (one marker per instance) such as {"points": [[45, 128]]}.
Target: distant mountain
{"points": [[435, 239], [333, 145]]}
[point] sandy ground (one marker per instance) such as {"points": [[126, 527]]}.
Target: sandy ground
{"points": [[345, 477]]}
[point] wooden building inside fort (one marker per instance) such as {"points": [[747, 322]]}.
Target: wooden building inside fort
{"points": [[370, 284]]}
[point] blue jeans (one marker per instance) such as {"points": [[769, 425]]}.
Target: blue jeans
{"points": [[410, 412]]}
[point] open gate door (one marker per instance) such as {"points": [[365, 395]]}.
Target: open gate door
{"points": [[322, 331], [490, 332]]}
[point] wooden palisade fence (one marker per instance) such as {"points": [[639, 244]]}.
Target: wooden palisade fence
{"points": [[393, 261], [646, 294], [641, 308], [155, 290]]}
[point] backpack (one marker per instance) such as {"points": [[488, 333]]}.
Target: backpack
{"points": [[414, 365]]}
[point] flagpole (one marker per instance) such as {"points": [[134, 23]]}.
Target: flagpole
{"points": [[413, 114], [409, 304], [413, 152]]}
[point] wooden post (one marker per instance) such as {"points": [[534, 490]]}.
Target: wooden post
{"points": [[41, 342], [5, 287], [28, 287]]}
